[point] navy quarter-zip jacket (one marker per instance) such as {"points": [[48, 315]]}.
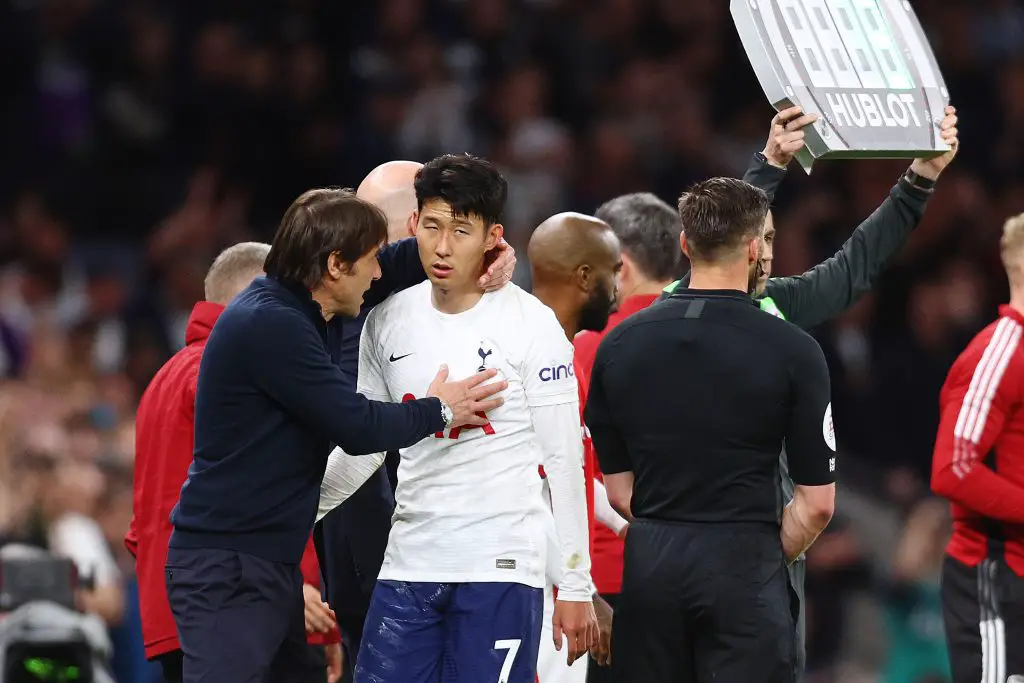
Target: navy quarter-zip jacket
{"points": [[270, 402]]}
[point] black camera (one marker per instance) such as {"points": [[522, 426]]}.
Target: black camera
{"points": [[43, 638]]}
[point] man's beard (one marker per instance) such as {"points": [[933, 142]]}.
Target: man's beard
{"points": [[595, 312]]}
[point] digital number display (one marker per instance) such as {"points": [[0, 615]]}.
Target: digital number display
{"points": [[845, 44]]}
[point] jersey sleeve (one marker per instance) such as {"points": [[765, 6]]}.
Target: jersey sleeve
{"points": [[371, 382], [549, 377], [810, 437], [557, 428], [343, 477], [980, 392], [833, 286]]}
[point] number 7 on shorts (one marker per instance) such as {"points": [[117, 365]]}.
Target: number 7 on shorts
{"points": [[512, 647]]}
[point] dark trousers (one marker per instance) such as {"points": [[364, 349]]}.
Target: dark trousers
{"points": [[239, 617], [704, 603], [983, 614], [171, 664], [603, 674], [797, 576], [351, 626]]}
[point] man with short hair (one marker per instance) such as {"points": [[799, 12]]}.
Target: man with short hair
{"points": [[389, 188], [163, 450], [460, 592], [270, 400], [688, 431], [979, 467], [352, 537], [821, 294], [574, 260]]}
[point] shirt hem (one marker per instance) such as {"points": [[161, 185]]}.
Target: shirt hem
{"points": [[460, 577]]}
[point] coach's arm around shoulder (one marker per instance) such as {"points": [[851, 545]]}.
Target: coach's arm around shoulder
{"points": [[288, 362], [811, 444]]}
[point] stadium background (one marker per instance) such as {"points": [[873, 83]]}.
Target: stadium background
{"points": [[138, 138]]}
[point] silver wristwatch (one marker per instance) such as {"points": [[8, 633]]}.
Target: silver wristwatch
{"points": [[446, 414]]}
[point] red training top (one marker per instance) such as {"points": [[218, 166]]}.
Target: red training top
{"points": [[163, 452], [979, 451], [607, 545]]}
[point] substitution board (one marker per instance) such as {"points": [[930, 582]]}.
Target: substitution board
{"points": [[864, 66]]}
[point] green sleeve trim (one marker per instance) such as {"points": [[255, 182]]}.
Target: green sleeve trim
{"points": [[768, 305]]}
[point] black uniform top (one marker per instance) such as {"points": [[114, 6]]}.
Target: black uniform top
{"points": [[695, 396]]}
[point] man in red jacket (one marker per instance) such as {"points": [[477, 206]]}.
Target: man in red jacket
{"points": [[979, 466], [163, 451]]}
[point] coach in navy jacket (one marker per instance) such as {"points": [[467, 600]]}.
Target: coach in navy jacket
{"points": [[270, 401]]}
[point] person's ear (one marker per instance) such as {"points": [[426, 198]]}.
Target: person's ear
{"points": [[412, 224], [683, 245], [584, 278], [336, 268], [754, 250], [494, 235]]}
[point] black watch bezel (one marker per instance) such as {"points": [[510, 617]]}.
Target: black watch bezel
{"points": [[918, 181]]}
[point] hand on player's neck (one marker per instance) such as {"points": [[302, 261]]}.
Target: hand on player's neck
{"points": [[720, 276], [453, 300]]}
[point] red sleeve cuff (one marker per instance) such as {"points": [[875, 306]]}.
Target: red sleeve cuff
{"points": [[332, 638]]}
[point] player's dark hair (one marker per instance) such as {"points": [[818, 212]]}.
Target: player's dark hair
{"points": [[720, 214], [317, 224], [469, 184], [648, 230]]}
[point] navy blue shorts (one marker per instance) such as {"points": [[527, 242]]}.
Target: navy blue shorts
{"points": [[451, 633]]}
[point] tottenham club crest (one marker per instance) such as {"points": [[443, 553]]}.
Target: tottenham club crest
{"points": [[483, 357]]}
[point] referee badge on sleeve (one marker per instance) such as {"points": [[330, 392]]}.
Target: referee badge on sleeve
{"points": [[827, 430]]}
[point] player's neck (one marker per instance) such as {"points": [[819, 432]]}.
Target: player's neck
{"points": [[643, 288], [1017, 299], [454, 300], [568, 317], [719, 276]]}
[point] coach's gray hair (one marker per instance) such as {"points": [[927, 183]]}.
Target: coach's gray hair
{"points": [[234, 269], [648, 230]]}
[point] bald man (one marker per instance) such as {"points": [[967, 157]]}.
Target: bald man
{"points": [[574, 260], [351, 539], [389, 188]]}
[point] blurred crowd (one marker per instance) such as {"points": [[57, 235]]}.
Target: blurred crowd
{"points": [[138, 138]]}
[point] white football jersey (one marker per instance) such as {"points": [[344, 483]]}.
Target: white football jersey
{"points": [[469, 505]]}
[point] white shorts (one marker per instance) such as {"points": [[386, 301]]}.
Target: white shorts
{"points": [[551, 667]]}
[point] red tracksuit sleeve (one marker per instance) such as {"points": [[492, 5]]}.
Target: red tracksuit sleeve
{"points": [[131, 538], [981, 391]]}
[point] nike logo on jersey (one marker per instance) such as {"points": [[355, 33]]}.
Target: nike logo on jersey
{"points": [[393, 357]]}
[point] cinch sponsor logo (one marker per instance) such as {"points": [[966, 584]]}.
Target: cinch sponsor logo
{"points": [[556, 372]]}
